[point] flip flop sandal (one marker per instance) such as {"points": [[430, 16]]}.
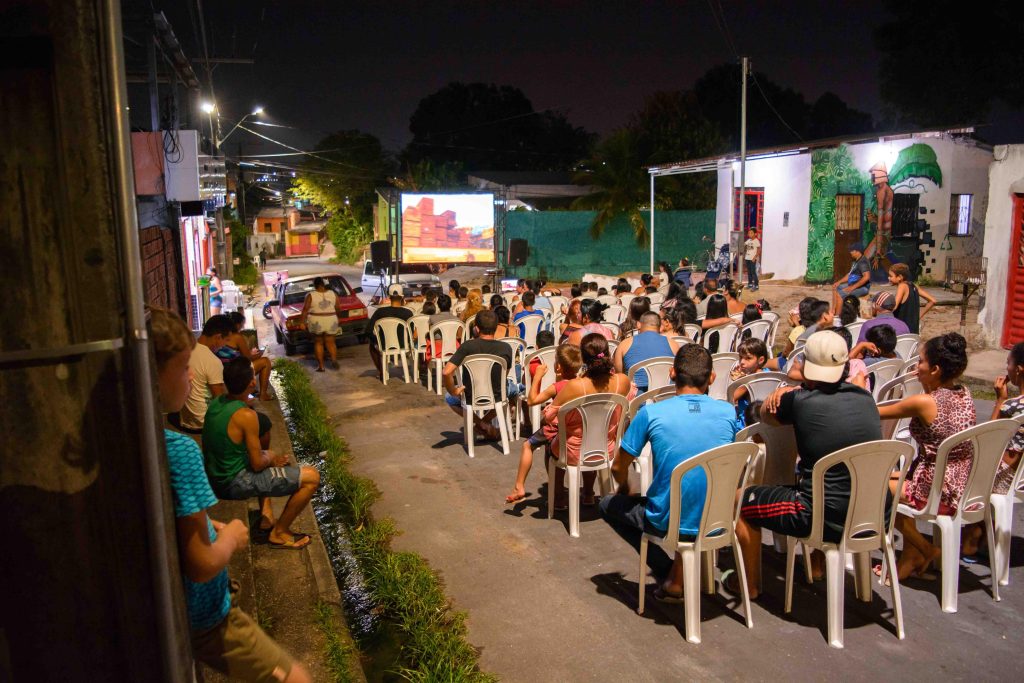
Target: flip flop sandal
{"points": [[513, 499], [298, 542]]}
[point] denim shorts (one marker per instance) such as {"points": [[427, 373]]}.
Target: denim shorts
{"points": [[512, 390], [844, 290], [270, 483]]}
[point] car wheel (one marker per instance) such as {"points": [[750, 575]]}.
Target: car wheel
{"points": [[278, 335], [289, 348]]}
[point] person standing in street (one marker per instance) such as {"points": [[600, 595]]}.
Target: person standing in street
{"points": [[216, 291], [320, 317], [263, 257], [751, 257]]}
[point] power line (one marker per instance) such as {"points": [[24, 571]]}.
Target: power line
{"points": [[772, 107], [296, 149]]}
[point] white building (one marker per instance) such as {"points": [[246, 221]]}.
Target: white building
{"points": [[1002, 317], [810, 202]]}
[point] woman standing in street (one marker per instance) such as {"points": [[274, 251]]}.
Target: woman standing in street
{"points": [[216, 291], [320, 316]]}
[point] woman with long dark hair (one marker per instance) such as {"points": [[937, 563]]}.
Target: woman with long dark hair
{"points": [[637, 307], [591, 316]]}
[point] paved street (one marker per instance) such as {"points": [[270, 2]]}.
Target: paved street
{"points": [[544, 606]]}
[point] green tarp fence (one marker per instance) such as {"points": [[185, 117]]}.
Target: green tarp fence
{"points": [[561, 247]]}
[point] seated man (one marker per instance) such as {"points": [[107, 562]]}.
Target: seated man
{"points": [[444, 311], [857, 282], [486, 324], [821, 315], [709, 287], [207, 375], [882, 306], [394, 310], [677, 429], [647, 343], [529, 299], [827, 415], [240, 468]]}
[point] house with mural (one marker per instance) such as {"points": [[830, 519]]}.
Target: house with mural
{"points": [[915, 197], [1002, 315]]}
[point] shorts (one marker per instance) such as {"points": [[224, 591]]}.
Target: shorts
{"points": [[216, 301], [269, 483], [845, 291], [537, 439], [323, 324], [512, 390], [238, 648], [782, 509]]}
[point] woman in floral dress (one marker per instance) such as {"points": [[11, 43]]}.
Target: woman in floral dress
{"points": [[944, 409]]}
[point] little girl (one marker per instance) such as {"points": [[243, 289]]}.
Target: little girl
{"points": [[567, 366], [753, 357]]}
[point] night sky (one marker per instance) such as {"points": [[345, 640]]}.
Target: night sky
{"points": [[323, 66]]}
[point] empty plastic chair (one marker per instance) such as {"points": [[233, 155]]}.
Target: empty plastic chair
{"points": [[724, 469], [599, 418], [988, 441], [722, 364], [759, 329], [419, 326], [482, 395], [854, 329], [867, 527]]}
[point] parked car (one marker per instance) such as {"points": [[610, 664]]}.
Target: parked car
{"points": [[286, 310], [415, 278]]}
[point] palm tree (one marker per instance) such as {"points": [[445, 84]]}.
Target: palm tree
{"points": [[617, 170]]}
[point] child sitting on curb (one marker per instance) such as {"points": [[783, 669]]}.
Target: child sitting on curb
{"points": [[567, 365], [753, 357], [223, 637]]}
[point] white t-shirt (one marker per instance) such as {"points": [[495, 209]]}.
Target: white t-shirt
{"points": [[752, 246], [206, 369]]}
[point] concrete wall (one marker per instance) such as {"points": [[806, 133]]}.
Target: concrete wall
{"points": [[1005, 178], [787, 188]]}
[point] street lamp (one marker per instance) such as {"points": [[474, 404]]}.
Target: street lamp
{"points": [[255, 112]]}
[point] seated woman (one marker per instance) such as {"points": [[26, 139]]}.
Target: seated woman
{"points": [[474, 304], [849, 313], [505, 327], [718, 314], [237, 346], [573, 321], [496, 300], [591, 315], [598, 377], [944, 409], [637, 307], [732, 299], [645, 281]]}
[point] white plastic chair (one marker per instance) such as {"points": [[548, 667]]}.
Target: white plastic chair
{"points": [[773, 332], [737, 317], [899, 387], [612, 345], [759, 329], [597, 412], [907, 345], [988, 441], [778, 466], [626, 299], [418, 326], [532, 324], [389, 333], [615, 314], [681, 341], [759, 385], [478, 367], [881, 372], [722, 364], [1002, 521], [450, 332], [910, 365], [867, 527], [547, 357], [510, 299], [613, 328], [770, 316], [556, 324], [558, 303], [726, 337], [608, 300], [518, 370], [656, 299], [656, 370], [694, 332], [642, 462], [468, 324], [724, 469], [854, 329]]}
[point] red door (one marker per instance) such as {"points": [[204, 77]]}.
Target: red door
{"points": [[1013, 325]]}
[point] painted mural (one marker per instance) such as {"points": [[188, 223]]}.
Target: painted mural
{"points": [[832, 172]]}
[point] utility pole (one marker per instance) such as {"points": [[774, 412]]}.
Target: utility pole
{"points": [[744, 67]]}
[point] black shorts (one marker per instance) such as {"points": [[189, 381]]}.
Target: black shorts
{"points": [[787, 510], [265, 423]]}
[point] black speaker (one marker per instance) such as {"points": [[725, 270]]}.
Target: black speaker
{"points": [[518, 250], [380, 254], [192, 209]]}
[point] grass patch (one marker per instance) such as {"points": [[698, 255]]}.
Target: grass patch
{"points": [[339, 651], [427, 638]]}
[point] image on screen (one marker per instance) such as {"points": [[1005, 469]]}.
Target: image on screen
{"points": [[448, 228]]}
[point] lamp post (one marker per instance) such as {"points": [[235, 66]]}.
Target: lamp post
{"points": [[255, 112]]}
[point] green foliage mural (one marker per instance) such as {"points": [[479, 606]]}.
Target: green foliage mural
{"points": [[833, 172]]}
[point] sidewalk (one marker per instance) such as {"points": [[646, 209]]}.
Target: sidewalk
{"points": [[281, 589]]}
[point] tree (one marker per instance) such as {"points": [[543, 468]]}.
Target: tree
{"points": [[947, 64], [617, 170], [347, 168], [426, 175], [831, 117], [490, 127]]}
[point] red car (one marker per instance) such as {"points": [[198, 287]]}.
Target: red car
{"points": [[286, 310]]}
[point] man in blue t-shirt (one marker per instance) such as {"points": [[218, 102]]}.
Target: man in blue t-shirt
{"points": [[529, 299], [677, 429]]}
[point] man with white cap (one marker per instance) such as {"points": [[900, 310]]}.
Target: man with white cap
{"points": [[394, 310], [827, 415]]}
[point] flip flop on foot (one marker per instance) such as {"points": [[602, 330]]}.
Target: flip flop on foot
{"points": [[297, 542], [731, 583], [514, 498]]}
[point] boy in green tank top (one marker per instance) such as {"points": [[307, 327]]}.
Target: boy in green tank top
{"points": [[239, 464]]}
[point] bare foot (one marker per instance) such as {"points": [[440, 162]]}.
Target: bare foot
{"points": [[289, 540], [972, 539]]}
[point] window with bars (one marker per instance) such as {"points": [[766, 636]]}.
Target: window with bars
{"points": [[960, 215], [849, 209]]}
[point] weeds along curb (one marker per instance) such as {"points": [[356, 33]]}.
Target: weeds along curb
{"points": [[428, 637]]}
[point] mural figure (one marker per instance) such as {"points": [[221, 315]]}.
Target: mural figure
{"points": [[879, 244]]}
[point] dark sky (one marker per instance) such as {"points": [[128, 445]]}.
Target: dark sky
{"points": [[323, 66]]}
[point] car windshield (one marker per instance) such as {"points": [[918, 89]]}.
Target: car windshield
{"points": [[295, 292], [414, 269]]}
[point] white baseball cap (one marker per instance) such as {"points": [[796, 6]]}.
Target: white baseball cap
{"points": [[825, 357], [396, 290]]}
